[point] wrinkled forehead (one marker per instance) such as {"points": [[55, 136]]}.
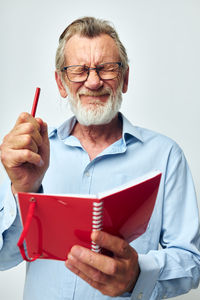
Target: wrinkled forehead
{"points": [[91, 51]]}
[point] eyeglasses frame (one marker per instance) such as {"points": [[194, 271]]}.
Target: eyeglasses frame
{"points": [[88, 70]]}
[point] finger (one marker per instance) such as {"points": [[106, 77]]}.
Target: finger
{"points": [[15, 158], [28, 129], [90, 281], [40, 121], [110, 288], [98, 261], [112, 243], [27, 118], [44, 131], [89, 271], [27, 124], [31, 157], [23, 142], [44, 148]]}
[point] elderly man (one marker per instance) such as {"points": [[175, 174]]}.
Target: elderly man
{"points": [[94, 151]]}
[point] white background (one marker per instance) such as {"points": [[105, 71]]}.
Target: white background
{"points": [[162, 38]]}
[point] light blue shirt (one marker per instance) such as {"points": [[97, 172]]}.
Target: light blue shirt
{"points": [[166, 271]]}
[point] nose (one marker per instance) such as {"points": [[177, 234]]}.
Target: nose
{"points": [[93, 81]]}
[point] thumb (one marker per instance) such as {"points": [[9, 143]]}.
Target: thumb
{"points": [[44, 148], [44, 132]]}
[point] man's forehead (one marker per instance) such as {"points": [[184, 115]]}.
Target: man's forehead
{"points": [[94, 49]]}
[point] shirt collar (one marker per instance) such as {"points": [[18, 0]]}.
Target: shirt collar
{"points": [[64, 130], [129, 131]]}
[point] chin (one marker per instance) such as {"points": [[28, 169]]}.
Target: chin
{"points": [[91, 117], [95, 114], [98, 112]]}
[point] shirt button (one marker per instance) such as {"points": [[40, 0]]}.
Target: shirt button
{"points": [[87, 174], [140, 295]]}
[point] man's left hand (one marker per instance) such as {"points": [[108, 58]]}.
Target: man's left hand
{"points": [[112, 276]]}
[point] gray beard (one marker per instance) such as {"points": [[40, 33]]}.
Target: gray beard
{"points": [[97, 113]]}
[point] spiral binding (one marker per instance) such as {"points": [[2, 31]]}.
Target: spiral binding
{"points": [[97, 222]]}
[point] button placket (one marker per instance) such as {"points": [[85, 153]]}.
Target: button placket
{"points": [[87, 178]]}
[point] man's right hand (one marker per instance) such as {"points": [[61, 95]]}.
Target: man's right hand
{"points": [[25, 153]]}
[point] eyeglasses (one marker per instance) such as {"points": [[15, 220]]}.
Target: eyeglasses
{"points": [[80, 73]]}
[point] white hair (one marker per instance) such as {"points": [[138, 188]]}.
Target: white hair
{"points": [[97, 112]]}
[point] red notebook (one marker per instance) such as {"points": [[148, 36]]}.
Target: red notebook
{"points": [[54, 223]]}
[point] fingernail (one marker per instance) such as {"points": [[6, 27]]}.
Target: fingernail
{"points": [[76, 251], [70, 256], [41, 163]]}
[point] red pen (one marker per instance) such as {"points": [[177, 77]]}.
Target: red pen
{"points": [[35, 102]]}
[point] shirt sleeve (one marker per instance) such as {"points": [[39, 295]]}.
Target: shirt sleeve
{"points": [[10, 228], [175, 268]]}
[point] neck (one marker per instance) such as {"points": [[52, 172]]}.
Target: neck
{"points": [[96, 138]]}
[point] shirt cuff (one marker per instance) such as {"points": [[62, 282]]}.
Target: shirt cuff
{"points": [[8, 211], [149, 273]]}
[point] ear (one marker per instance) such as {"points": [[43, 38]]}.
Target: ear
{"points": [[125, 84], [61, 88]]}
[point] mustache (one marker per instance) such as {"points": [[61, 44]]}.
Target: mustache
{"points": [[104, 91]]}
